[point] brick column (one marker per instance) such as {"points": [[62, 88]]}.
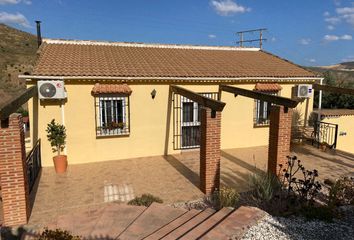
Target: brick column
{"points": [[13, 174], [279, 137], [210, 151]]}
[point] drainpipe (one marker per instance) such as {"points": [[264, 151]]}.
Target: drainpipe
{"points": [[62, 120], [320, 102]]}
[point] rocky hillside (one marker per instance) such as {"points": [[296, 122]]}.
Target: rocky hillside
{"points": [[342, 72], [345, 66], [17, 56]]}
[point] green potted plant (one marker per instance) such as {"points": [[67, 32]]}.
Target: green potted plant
{"points": [[56, 136]]}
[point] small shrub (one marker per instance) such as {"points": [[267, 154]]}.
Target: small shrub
{"points": [[341, 192], [57, 234], [225, 197], [313, 118], [303, 189], [296, 123], [23, 112], [56, 136], [264, 185], [145, 200]]}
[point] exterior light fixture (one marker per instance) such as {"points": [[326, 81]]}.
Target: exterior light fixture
{"points": [[153, 94]]}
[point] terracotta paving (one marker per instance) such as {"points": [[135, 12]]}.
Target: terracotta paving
{"points": [[158, 221], [237, 164], [173, 178], [89, 186]]}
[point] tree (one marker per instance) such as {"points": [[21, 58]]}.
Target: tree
{"points": [[334, 100]]}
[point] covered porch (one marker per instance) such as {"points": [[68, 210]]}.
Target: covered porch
{"points": [[174, 178]]}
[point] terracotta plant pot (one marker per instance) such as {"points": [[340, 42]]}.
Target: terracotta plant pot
{"points": [[60, 163], [323, 147]]}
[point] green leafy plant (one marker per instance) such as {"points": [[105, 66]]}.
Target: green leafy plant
{"points": [[56, 136], [23, 112], [264, 185], [57, 234], [313, 119], [341, 192], [225, 197], [145, 200]]}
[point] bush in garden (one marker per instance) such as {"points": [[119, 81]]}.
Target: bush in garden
{"points": [[225, 197], [145, 200], [341, 192], [293, 190], [57, 234], [303, 189], [264, 185]]}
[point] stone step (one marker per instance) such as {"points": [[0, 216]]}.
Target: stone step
{"points": [[207, 225], [152, 219], [186, 227], [236, 224], [114, 220], [80, 222], [173, 225]]}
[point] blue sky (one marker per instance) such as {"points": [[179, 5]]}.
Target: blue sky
{"points": [[308, 32]]}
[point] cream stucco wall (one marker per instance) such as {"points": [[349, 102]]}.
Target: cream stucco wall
{"points": [[148, 123], [345, 138]]}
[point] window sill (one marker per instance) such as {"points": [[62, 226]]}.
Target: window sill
{"points": [[261, 125], [113, 135]]}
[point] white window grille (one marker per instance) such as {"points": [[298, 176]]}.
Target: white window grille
{"points": [[262, 111], [112, 115]]}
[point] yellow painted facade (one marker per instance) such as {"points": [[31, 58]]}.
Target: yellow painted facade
{"points": [[345, 138], [151, 129]]}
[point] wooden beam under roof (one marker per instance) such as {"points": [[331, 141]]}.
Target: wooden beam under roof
{"points": [[327, 88], [214, 105], [14, 104], [286, 102]]}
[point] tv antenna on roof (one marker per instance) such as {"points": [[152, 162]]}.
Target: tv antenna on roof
{"points": [[260, 39]]}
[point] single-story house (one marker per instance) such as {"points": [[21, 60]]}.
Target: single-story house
{"points": [[116, 103]]}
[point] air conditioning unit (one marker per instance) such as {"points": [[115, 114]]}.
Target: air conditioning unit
{"points": [[304, 91], [51, 89]]}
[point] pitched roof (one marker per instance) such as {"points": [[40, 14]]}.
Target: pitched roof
{"points": [[88, 58]]}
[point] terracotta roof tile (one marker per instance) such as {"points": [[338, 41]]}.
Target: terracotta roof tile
{"points": [[335, 112], [111, 88], [69, 59], [268, 87]]}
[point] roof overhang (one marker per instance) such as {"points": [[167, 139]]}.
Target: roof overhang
{"points": [[169, 79]]}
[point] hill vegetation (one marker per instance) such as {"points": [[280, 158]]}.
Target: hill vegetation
{"points": [[17, 48], [341, 75]]}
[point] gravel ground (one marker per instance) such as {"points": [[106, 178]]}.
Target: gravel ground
{"points": [[299, 228]]}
